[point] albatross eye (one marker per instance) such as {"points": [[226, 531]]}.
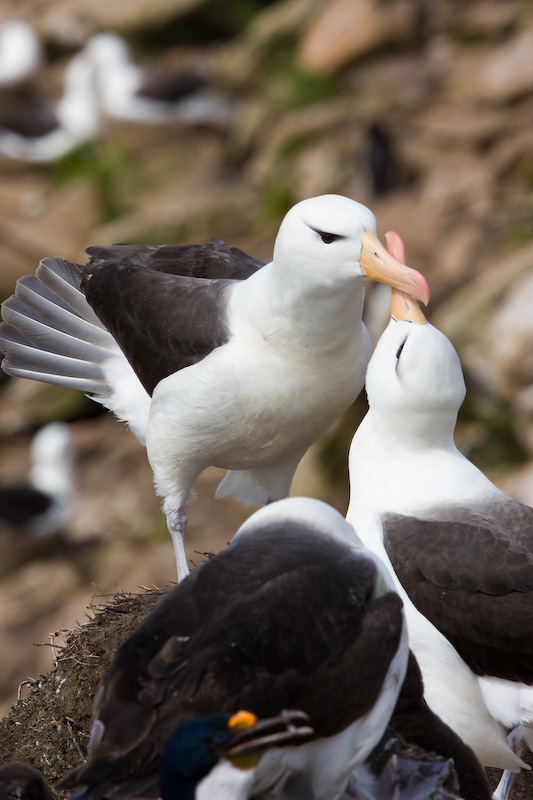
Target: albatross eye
{"points": [[398, 354], [327, 237]]}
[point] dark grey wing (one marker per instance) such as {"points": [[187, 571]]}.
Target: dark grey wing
{"points": [[226, 638], [168, 87], [19, 505], [27, 113], [162, 322], [473, 579], [214, 259]]}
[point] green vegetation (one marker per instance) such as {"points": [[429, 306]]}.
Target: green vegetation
{"points": [[105, 167], [296, 86], [276, 199], [485, 431]]}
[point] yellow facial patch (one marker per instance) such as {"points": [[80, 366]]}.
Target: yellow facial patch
{"points": [[241, 721]]}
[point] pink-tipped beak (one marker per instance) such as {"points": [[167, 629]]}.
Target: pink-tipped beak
{"points": [[380, 265], [403, 306]]}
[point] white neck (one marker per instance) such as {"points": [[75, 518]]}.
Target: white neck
{"points": [[335, 319], [394, 468]]}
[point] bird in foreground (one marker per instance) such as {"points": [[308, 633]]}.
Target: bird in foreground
{"points": [[441, 767], [461, 549], [213, 756], [294, 614], [212, 358], [42, 505], [20, 781]]}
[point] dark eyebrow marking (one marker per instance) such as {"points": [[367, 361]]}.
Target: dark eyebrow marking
{"points": [[326, 236]]}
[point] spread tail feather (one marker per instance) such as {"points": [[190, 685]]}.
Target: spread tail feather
{"points": [[45, 338], [50, 333]]}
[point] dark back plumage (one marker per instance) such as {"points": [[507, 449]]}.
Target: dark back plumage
{"points": [[164, 305], [258, 627], [480, 560]]}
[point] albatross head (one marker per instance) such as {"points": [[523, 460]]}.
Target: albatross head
{"points": [[332, 240], [415, 374]]}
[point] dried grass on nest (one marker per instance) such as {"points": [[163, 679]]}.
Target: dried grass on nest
{"points": [[49, 727]]}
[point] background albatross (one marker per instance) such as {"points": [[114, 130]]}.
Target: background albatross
{"points": [[243, 369]]}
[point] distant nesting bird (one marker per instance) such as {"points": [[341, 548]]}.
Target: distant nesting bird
{"points": [[63, 126], [461, 549], [126, 92], [212, 358], [294, 614], [213, 756], [42, 505], [21, 52], [20, 781]]}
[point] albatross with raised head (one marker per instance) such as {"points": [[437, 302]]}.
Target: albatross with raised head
{"points": [[461, 549]]}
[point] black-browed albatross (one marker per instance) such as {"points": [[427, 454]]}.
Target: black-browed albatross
{"points": [[126, 92], [21, 52], [39, 132], [212, 358], [42, 504], [461, 549], [294, 614]]}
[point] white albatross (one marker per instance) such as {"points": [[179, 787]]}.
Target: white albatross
{"points": [[313, 625], [461, 549], [21, 52], [73, 120], [212, 371], [42, 505], [126, 92]]}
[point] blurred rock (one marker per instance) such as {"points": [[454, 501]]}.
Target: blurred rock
{"points": [[507, 73], [70, 22], [465, 319], [509, 338], [519, 484], [490, 323], [344, 30], [489, 18], [272, 26]]}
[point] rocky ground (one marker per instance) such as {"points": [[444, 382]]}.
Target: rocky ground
{"points": [[317, 86]]}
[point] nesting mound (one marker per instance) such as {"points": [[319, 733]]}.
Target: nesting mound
{"points": [[49, 728]]}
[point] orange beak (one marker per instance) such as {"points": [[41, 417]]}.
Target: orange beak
{"points": [[381, 265]]}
